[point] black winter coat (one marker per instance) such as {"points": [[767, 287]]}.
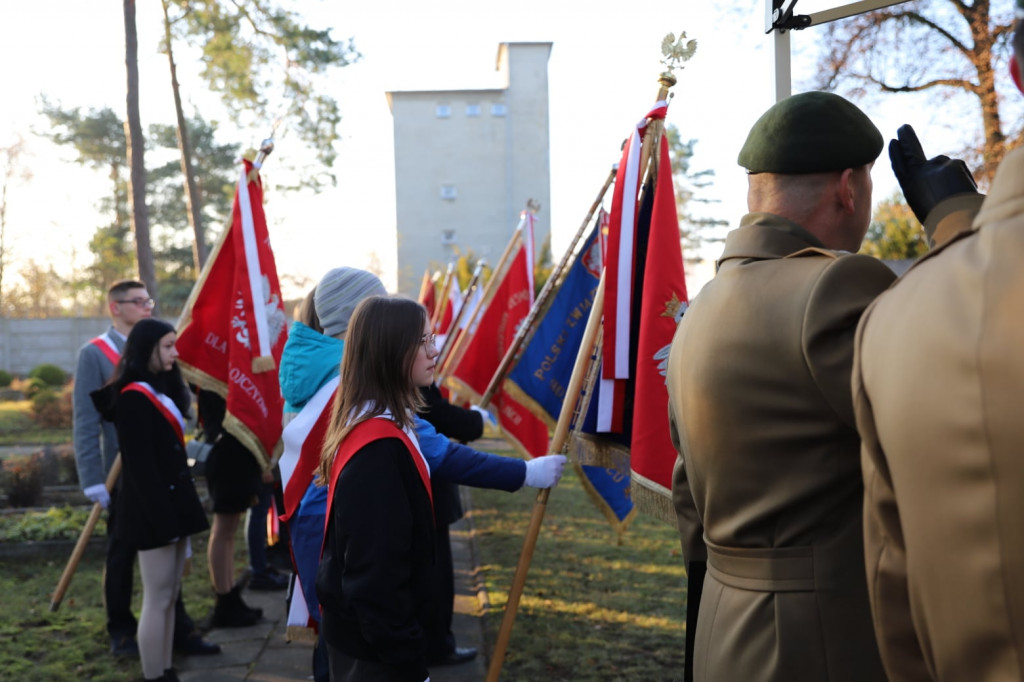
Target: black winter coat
{"points": [[375, 581], [157, 500]]}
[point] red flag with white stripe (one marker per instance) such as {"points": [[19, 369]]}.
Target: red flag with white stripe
{"points": [[233, 328]]}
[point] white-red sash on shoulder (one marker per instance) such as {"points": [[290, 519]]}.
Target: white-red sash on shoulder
{"points": [[108, 348], [163, 404], [303, 444], [366, 432]]}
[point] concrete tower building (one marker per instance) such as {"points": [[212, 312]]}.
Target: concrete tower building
{"points": [[467, 161]]}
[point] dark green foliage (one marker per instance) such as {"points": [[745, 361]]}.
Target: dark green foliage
{"points": [[5, 378], [695, 230], [267, 67], [49, 373]]}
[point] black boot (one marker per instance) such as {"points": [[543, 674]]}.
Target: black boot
{"points": [[170, 675], [231, 612]]}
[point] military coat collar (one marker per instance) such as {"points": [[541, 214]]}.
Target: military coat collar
{"points": [[762, 236]]}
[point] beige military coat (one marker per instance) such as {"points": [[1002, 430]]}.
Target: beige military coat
{"points": [[768, 478], [939, 399]]}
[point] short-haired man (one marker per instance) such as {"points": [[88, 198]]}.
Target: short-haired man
{"points": [[938, 379], [95, 442], [767, 486]]}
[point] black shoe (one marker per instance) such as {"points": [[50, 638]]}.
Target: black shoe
{"points": [[456, 656], [268, 581], [195, 645], [231, 612], [124, 646], [171, 676]]}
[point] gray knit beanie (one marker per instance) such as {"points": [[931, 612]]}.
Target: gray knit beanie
{"points": [[339, 292]]}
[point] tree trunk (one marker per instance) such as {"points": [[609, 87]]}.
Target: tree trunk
{"points": [[983, 58], [136, 154], [193, 200]]}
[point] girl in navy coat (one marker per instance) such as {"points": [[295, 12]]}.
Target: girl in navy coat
{"points": [[157, 504]]}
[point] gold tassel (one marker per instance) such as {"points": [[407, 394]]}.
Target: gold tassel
{"points": [[263, 363]]}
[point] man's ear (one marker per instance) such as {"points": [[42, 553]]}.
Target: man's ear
{"points": [[111, 309], [845, 191]]}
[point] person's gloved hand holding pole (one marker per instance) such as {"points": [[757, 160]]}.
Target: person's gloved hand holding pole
{"points": [[926, 182], [544, 472], [98, 493]]}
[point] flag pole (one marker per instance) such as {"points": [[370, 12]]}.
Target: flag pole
{"points": [[558, 442], [527, 328], [83, 539], [443, 298], [452, 361], [449, 340]]}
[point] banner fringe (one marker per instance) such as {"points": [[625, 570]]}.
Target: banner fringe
{"points": [[264, 363], [653, 499], [299, 633]]}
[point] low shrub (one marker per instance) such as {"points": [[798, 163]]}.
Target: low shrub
{"points": [[5, 378], [51, 374], [22, 479], [52, 410], [29, 386]]}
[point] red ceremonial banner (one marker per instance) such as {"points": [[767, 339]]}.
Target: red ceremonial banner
{"points": [[233, 328], [494, 334], [664, 301]]}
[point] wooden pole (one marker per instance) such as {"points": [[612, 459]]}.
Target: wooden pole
{"points": [[452, 361], [526, 330], [83, 539], [442, 300], [557, 445], [453, 331]]}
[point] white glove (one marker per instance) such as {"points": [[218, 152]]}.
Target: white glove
{"points": [[98, 493], [488, 417], [544, 472]]}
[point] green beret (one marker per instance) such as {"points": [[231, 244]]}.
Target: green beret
{"points": [[813, 132]]}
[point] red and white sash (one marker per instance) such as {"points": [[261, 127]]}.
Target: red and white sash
{"points": [[163, 404], [364, 433], [303, 439], [107, 347]]}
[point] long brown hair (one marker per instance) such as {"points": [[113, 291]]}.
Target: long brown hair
{"points": [[383, 339]]}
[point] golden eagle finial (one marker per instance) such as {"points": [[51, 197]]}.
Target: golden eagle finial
{"points": [[677, 51]]}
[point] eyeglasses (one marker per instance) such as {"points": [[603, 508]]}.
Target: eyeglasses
{"points": [[141, 302], [429, 340]]}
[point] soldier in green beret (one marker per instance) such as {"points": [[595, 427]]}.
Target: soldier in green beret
{"points": [[767, 486]]}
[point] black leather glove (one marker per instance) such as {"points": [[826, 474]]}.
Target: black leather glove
{"points": [[926, 182]]}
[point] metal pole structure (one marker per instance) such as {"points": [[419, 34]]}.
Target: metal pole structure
{"points": [[780, 18]]}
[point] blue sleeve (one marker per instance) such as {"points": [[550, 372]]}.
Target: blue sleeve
{"points": [[433, 445], [467, 466]]}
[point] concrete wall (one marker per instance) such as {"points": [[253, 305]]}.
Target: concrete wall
{"points": [[24, 344], [489, 147]]}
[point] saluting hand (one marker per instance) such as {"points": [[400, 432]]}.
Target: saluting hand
{"points": [[926, 182]]}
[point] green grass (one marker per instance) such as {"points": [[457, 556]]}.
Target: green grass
{"points": [[591, 609], [72, 643], [18, 428]]}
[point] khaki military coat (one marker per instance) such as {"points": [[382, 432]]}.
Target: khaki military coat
{"points": [[768, 479], [939, 398]]}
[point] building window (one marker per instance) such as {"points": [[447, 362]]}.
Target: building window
{"points": [[448, 192], [498, 110], [447, 237], [472, 110], [443, 111]]}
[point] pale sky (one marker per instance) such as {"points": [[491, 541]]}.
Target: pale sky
{"points": [[603, 72]]}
